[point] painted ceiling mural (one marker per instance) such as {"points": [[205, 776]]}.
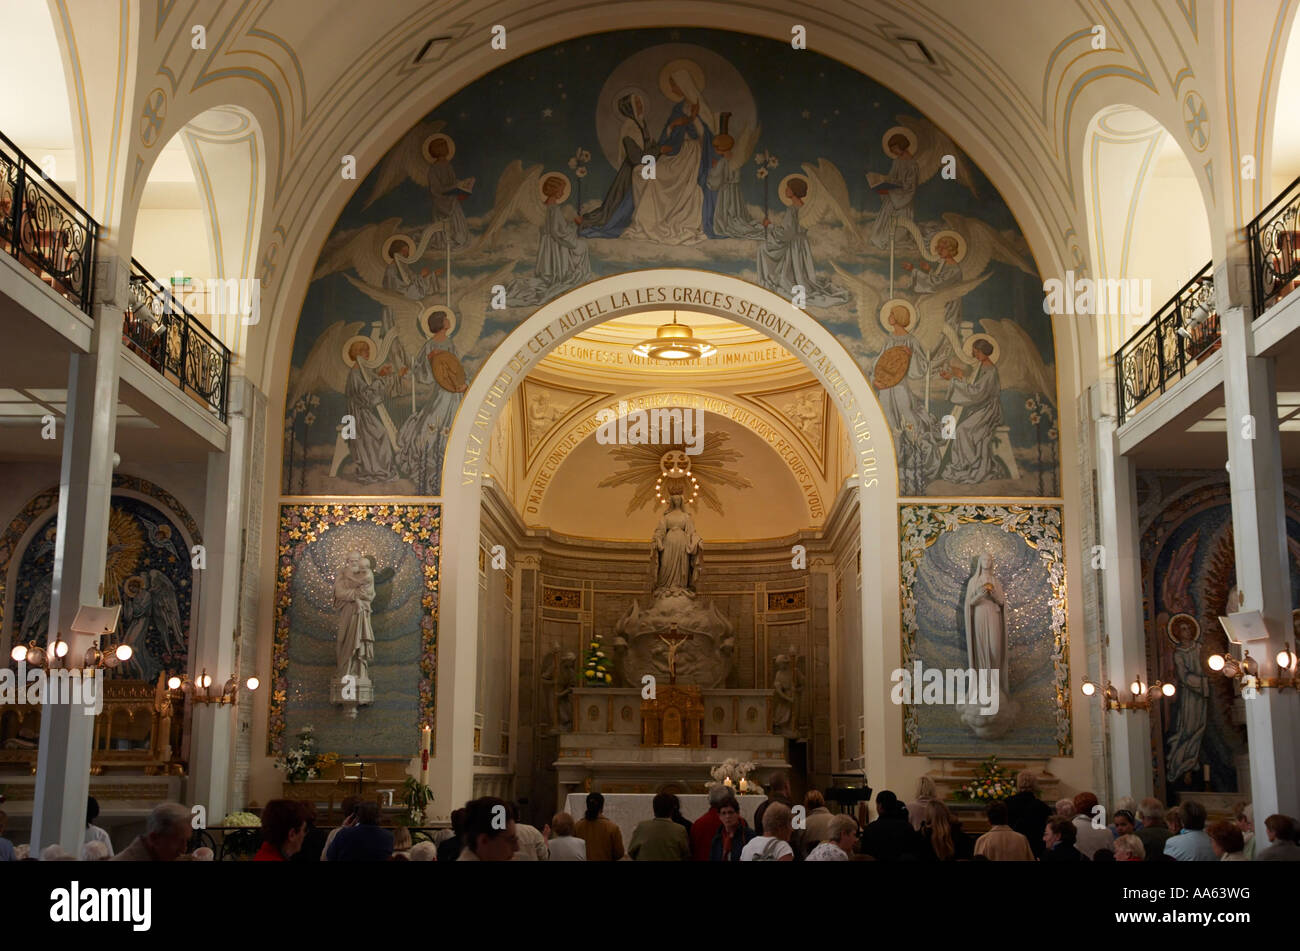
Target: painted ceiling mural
{"points": [[683, 148]]}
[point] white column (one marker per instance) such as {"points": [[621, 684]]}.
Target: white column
{"points": [[212, 734], [457, 643], [1128, 731], [1263, 570], [85, 485]]}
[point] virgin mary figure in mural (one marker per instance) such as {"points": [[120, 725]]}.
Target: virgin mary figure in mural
{"points": [[422, 441], [675, 207], [984, 618], [1184, 747]]}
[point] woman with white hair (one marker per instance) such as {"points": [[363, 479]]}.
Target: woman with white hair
{"points": [[675, 207]]}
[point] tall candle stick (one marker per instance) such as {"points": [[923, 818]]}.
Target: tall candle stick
{"points": [[425, 736]]}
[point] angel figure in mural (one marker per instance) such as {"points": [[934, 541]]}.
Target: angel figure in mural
{"points": [[424, 156], [900, 369], [676, 549], [36, 616], [1184, 737], [973, 457], [674, 207], [917, 150], [149, 603], [161, 536], [785, 257], [731, 218], [422, 441], [562, 261], [354, 593], [635, 142], [367, 388]]}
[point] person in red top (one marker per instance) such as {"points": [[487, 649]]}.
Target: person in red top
{"points": [[284, 826], [703, 828]]}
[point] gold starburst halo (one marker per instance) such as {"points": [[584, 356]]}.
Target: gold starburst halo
{"points": [[712, 467]]}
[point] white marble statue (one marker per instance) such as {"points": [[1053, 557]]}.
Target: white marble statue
{"points": [[676, 550], [354, 592], [984, 619]]}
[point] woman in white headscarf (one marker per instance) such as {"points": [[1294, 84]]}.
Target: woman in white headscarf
{"points": [[675, 207]]}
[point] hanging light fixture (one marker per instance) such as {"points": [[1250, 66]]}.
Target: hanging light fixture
{"points": [[673, 342]]}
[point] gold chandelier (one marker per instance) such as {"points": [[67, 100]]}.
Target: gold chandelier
{"points": [[674, 342]]}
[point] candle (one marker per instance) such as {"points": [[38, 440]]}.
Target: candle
{"points": [[727, 782], [744, 784], [425, 736], [1206, 772]]}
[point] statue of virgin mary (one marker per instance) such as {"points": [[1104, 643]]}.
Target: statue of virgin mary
{"points": [[676, 550], [984, 617]]}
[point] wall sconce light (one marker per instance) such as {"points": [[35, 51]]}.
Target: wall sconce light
{"points": [[1246, 670], [55, 656], [200, 689], [1144, 695]]}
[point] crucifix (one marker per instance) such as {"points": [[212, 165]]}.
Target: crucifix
{"points": [[674, 639]]}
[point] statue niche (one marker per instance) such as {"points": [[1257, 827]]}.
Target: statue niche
{"points": [[680, 638]]}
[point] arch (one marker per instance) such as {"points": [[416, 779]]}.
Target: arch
{"points": [[562, 318], [1280, 156], [200, 215], [1148, 216], [563, 440]]}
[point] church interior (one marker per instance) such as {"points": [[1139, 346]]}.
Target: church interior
{"points": [[426, 408]]}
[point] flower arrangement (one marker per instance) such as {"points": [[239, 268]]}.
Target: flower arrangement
{"points": [[597, 671], [734, 774], [991, 783], [242, 820], [303, 762]]}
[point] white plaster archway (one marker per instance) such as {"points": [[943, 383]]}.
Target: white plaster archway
{"points": [[501, 374]]}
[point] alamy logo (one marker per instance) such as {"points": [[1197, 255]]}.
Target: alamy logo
{"points": [[652, 427], [83, 688], [1091, 296], [950, 686], [74, 904]]}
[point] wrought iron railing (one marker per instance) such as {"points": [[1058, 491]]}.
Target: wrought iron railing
{"points": [[1183, 331], [1274, 242], [40, 225], [158, 328]]}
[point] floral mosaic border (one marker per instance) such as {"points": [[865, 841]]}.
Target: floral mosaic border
{"points": [[1041, 526], [300, 524], [40, 505]]}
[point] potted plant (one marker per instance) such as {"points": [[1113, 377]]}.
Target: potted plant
{"points": [[416, 796]]}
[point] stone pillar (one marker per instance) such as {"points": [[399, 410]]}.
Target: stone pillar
{"points": [[1263, 569], [1129, 731], [212, 728], [85, 486]]}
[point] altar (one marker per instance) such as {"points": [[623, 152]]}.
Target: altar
{"points": [[627, 809]]}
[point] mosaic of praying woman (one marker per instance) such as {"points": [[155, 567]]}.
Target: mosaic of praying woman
{"points": [[422, 441], [785, 257], [972, 460], [562, 260], [615, 212]]}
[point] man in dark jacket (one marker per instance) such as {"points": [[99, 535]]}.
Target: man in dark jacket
{"points": [[778, 790], [1029, 814], [891, 837], [363, 842]]}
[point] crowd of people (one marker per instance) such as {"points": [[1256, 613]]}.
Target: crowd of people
{"points": [[1022, 828]]}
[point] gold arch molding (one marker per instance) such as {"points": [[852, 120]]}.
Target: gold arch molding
{"points": [[777, 436]]}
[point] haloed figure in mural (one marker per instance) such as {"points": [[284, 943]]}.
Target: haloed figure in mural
{"points": [[676, 550], [149, 605], [896, 189], [446, 192], [373, 447], [422, 441], [635, 142], [901, 365], [978, 409], [731, 217], [562, 261], [1184, 749], [674, 207], [785, 258]]}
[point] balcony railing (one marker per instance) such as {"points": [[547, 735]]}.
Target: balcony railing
{"points": [[1183, 331], [44, 229], [1274, 241], [158, 328]]}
